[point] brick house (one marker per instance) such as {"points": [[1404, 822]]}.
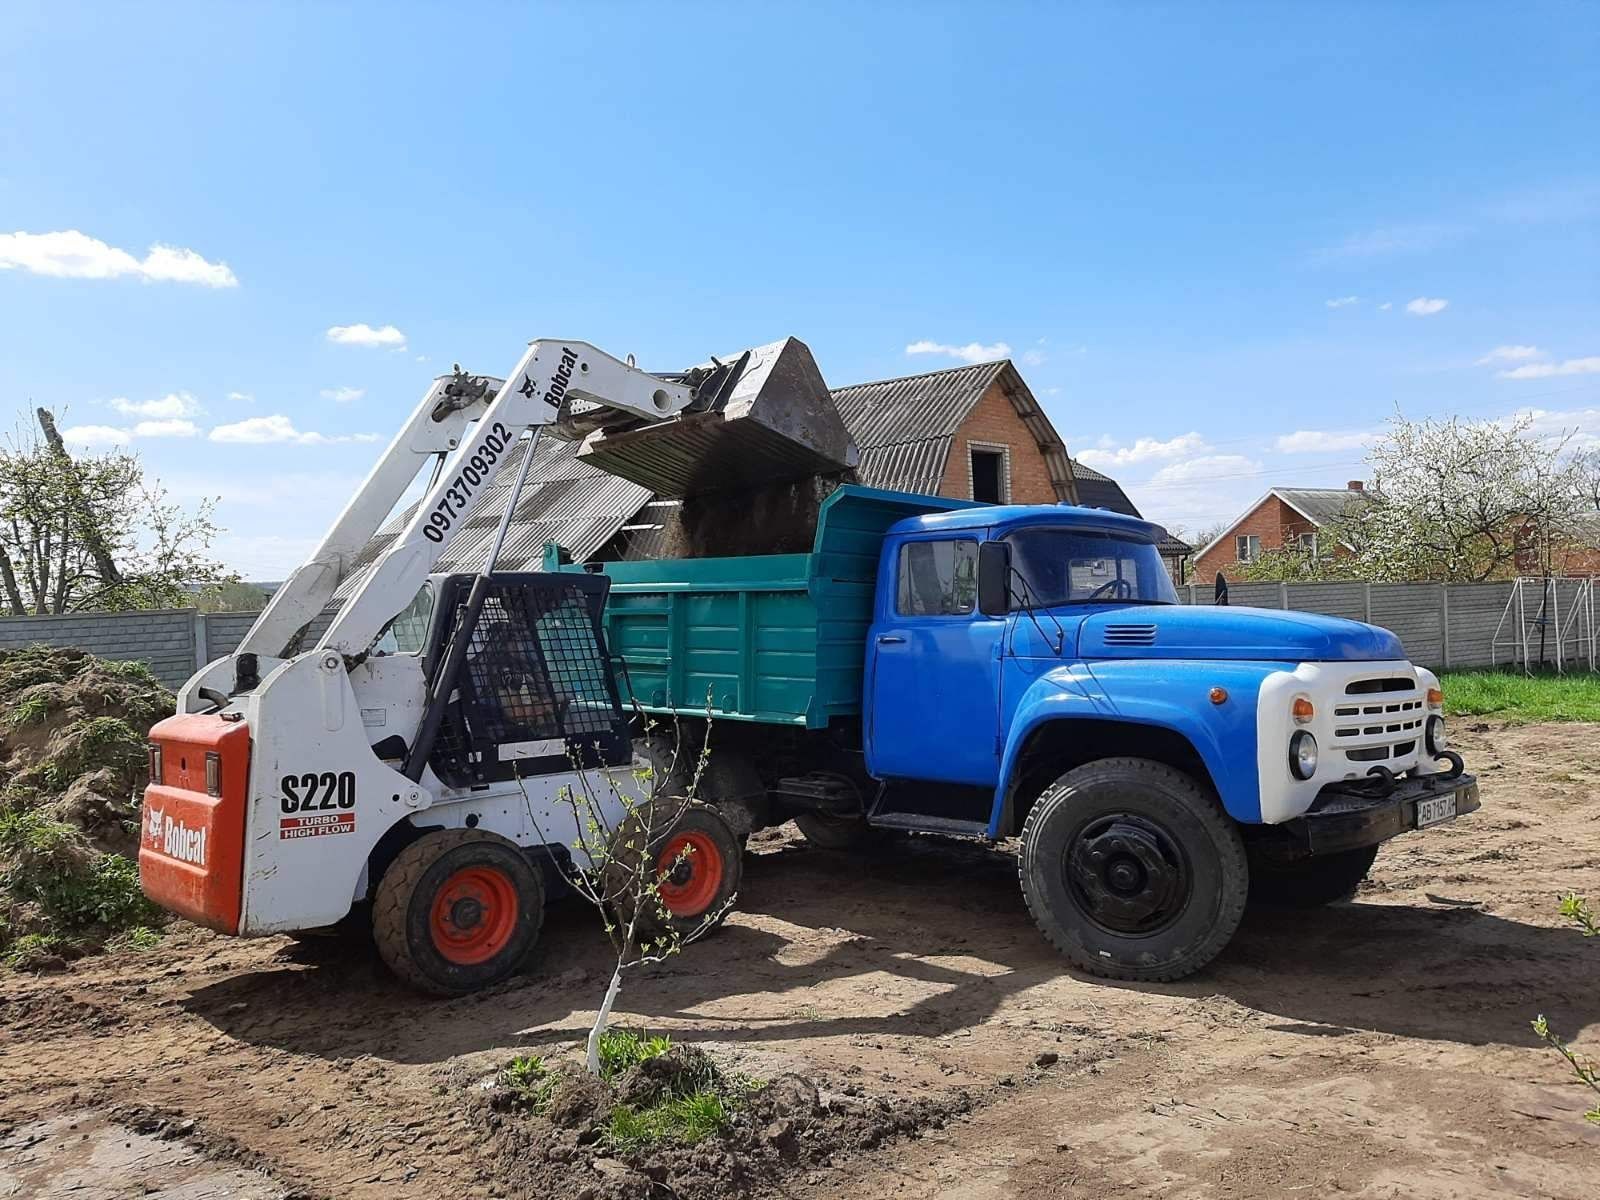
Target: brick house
{"points": [[1283, 518], [971, 432]]}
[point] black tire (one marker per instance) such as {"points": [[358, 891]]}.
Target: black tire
{"points": [[450, 947], [692, 885], [826, 831], [1309, 882], [1132, 870]]}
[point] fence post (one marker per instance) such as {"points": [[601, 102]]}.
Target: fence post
{"points": [[1366, 601], [201, 654], [1444, 621], [1283, 593]]}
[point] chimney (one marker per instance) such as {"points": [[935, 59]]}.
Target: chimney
{"points": [[1355, 485]]}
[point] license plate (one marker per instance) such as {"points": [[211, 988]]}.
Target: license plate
{"points": [[1431, 812]]}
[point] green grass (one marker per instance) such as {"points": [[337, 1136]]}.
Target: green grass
{"points": [[531, 1079], [621, 1049], [1518, 697], [684, 1119]]}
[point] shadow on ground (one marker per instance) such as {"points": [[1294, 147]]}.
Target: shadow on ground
{"points": [[922, 914]]}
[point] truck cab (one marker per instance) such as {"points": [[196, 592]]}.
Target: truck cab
{"points": [[1031, 672]]}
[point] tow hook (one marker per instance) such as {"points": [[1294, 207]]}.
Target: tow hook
{"points": [[1457, 766]]}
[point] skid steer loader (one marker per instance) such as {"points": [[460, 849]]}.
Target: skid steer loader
{"points": [[408, 768]]}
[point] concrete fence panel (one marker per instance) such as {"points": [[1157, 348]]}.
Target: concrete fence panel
{"points": [[162, 638]]}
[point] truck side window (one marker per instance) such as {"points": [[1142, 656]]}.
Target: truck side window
{"points": [[937, 578]]}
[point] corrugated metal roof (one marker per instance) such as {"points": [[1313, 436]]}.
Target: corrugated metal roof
{"points": [[892, 411], [905, 466], [1320, 504]]}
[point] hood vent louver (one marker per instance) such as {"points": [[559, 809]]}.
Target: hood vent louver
{"points": [[1130, 635]]}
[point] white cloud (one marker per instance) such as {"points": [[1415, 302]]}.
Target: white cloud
{"points": [[1143, 450], [168, 407], [173, 427], [242, 397], [97, 435], [1317, 441], [260, 431], [69, 254], [1343, 302], [1033, 358], [1394, 239], [365, 335], [1426, 306], [1571, 366], [1386, 306], [1203, 469], [343, 395], [1578, 428], [1505, 354], [972, 352]]}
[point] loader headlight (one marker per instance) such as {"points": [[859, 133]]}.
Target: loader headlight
{"points": [[1303, 755], [1438, 741]]}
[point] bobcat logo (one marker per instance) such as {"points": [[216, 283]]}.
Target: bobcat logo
{"points": [[153, 822]]}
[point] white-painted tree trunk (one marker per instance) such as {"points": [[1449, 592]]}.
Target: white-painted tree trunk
{"points": [[601, 1020]]}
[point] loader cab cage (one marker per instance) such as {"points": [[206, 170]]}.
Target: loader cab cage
{"points": [[534, 691]]}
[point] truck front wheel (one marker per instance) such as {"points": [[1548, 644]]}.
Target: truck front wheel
{"points": [[1132, 870], [1309, 882], [457, 910]]}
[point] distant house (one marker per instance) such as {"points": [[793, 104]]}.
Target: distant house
{"points": [[1285, 518], [971, 432], [1101, 491]]}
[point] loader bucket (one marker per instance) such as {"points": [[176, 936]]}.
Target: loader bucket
{"points": [[776, 422]]}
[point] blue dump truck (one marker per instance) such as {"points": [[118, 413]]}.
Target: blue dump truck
{"points": [[994, 672]]}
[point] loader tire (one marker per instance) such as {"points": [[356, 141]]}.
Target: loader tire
{"points": [[457, 910], [699, 865], [1309, 882], [1132, 870]]}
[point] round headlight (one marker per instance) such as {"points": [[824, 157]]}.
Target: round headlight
{"points": [[1303, 755], [1438, 741]]}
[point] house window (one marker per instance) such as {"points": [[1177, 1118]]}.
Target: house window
{"points": [[1248, 546], [991, 473], [1308, 543], [937, 579]]}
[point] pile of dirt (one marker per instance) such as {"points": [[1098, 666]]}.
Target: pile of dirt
{"points": [[73, 729], [560, 1137]]}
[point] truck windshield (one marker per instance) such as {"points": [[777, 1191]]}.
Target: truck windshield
{"points": [[1081, 566]]}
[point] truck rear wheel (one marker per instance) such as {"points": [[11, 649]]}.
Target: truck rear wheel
{"points": [[827, 831], [1309, 882], [457, 910], [1132, 870]]}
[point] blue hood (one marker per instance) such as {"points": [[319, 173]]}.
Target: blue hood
{"points": [[1204, 632]]}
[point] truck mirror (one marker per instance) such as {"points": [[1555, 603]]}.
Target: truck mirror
{"points": [[1221, 596], [994, 579]]}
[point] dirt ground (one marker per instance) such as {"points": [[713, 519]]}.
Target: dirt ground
{"points": [[1374, 1049]]}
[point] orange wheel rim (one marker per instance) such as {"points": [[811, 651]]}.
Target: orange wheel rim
{"points": [[474, 915], [690, 874]]}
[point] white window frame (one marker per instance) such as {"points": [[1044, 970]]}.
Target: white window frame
{"points": [[1242, 547], [1004, 451], [1307, 541]]}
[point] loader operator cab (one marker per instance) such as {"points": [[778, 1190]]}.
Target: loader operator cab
{"points": [[533, 690]]}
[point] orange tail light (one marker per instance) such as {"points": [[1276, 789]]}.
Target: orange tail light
{"points": [[191, 840]]}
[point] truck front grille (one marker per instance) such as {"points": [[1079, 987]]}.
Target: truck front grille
{"points": [[1384, 724]]}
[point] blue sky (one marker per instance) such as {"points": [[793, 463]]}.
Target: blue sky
{"points": [[1223, 242]]}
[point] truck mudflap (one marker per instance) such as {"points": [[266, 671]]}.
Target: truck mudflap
{"points": [[191, 840], [1351, 816]]}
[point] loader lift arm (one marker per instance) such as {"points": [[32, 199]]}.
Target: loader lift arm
{"points": [[569, 385]]}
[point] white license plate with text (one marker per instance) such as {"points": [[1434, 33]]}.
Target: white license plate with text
{"points": [[1431, 812]]}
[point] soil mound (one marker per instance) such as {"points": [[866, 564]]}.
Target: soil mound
{"points": [[73, 729]]}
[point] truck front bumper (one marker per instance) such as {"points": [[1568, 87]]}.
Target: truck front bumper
{"points": [[1348, 816]]}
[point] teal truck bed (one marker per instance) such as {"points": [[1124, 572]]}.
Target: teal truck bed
{"points": [[776, 639]]}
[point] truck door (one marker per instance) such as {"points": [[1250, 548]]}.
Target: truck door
{"points": [[934, 670]]}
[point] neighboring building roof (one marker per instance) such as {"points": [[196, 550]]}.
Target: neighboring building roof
{"points": [[904, 426], [1317, 505], [1101, 491]]}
